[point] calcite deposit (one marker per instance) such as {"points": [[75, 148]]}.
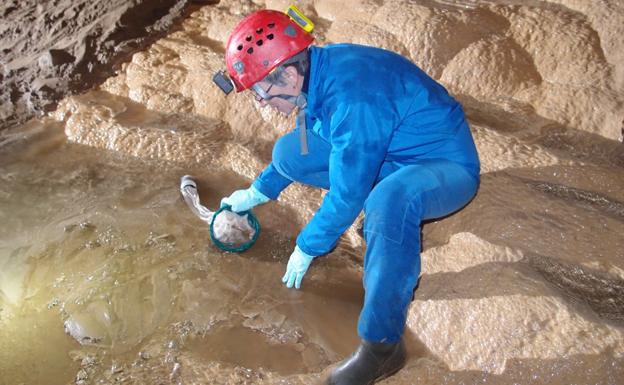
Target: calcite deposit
{"points": [[524, 285]]}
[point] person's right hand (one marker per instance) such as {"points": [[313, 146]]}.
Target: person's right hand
{"points": [[243, 200]]}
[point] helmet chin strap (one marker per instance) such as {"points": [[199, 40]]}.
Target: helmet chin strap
{"points": [[301, 102], [298, 100]]}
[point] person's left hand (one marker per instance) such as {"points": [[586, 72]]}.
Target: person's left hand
{"points": [[297, 266]]}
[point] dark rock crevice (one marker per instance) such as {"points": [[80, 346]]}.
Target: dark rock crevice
{"points": [[585, 198], [53, 49], [603, 294]]}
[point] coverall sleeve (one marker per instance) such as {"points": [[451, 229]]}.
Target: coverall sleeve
{"points": [[360, 135], [270, 182]]}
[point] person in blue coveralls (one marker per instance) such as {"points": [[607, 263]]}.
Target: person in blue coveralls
{"points": [[381, 136]]}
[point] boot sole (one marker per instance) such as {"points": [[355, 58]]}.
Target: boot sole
{"points": [[391, 372], [386, 375], [383, 376]]}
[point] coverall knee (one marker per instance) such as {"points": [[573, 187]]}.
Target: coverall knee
{"points": [[311, 169]]}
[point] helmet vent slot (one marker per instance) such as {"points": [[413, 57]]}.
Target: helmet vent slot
{"points": [[270, 36]]}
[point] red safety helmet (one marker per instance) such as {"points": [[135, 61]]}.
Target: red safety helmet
{"points": [[261, 42]]}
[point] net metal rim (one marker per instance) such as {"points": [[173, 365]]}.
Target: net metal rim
{"points": [[253, 222]]}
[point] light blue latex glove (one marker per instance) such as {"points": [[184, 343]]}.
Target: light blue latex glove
{"points": [[297, 266], [243, 200]]}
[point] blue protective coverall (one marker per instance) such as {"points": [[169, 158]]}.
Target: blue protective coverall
{"points": [[384, 137]]}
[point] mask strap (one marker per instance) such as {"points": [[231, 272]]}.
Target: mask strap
{"points": [[301, 102]]}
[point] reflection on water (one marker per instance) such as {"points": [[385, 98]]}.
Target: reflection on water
{"points": [[250, 349]]}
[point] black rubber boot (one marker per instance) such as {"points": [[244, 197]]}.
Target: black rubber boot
{"points": [[370, 363]]}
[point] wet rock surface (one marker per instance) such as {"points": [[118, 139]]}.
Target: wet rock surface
{"points": [[524, 285]]}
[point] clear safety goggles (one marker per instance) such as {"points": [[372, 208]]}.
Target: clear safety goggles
{"points": [[261, 94]]}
